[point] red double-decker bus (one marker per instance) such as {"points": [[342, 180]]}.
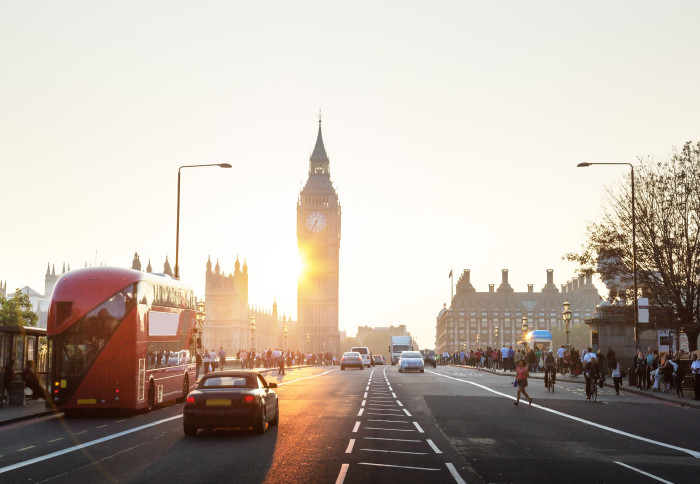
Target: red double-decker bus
{"points": [[120, 338]]}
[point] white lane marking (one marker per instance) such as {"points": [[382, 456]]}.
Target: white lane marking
{"points": [[455, 474], [391, 389], [418, 427], [350, 446], [365, 394], [367, 388], [380, 404], [26, 448], [407, 413], [357, 426], [82, 446], [394, 451], [391, 430], [343, 473], [433, 446], [81, 432], [377, 420], [642, 472], [393, 395], [305, 378], [397, 440], [399, 402], [399, 467], [387, 414], [693, 453], [363, 403], [56, 440], [359, 414], [101, 426]]}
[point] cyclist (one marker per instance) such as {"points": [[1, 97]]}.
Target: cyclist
{"points": [[592, 373], [550, 371]]}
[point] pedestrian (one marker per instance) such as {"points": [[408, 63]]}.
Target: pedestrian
{"points": [[222, 358], [521, 380], [695, 370], [32, 381], [198, 363], [617, 376], [8, 377], [280, 360], [560, 359], [212, 359], [640, 370], [205, 361], [612, 359], [664, 374]]}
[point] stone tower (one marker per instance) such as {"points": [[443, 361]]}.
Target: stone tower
{"points": [[318, 240]]}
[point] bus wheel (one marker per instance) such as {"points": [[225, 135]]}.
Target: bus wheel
{"points": [[151, 396], [185, 388]]}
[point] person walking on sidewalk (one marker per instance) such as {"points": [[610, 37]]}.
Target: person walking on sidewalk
{"points": [[695, 370], [222, 358], [617, 377], [521, 380], [640, 370]]}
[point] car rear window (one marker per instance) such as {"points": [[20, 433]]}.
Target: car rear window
{"points": [[228, 382], [362, 351]]}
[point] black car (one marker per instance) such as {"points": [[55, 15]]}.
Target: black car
{"points": [[236, 398], [429, 357]]}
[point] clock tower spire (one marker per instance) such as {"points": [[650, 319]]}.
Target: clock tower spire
{"points": [[318, 240]]}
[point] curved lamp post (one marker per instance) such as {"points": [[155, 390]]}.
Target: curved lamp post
{"points": [[634, 246], [566, 314], [177, 230]]}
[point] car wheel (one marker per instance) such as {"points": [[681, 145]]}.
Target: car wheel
{"points": [[151, 396], [434, 365], [190, 430], [275, 421], [185, 389], [259, 427], [422, 371]]}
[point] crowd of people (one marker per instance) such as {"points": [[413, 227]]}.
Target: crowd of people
{"points": [[660, 373], [211, 360]]}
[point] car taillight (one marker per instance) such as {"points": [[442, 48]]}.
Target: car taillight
{"points": [[248, 399], [190, 399]]}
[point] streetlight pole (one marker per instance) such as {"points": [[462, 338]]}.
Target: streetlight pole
{"points": [[634, 247], [523, 327], [566, 314], [285, 333], [252, 333], [177, 230]]}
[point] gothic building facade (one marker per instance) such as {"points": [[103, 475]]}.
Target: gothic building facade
{"points": [[318, 241], [472, 316]]}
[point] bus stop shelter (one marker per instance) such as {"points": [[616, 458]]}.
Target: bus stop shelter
{"points": [[26, 343]]}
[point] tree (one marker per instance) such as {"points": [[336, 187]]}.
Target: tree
{"points": [[17, 311], [667, 209]]}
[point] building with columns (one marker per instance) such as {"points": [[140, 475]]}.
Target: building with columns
{"points": [[472, 316], [318, 240]]}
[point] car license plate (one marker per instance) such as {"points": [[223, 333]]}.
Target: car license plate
{"points": [[218, 402]]}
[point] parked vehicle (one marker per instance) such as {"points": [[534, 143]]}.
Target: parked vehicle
{"points": [[231, 398]]}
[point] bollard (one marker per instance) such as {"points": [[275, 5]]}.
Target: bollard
{"points": [[632, 377]]}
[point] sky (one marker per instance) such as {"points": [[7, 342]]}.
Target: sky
{"points": [[453, 131]]}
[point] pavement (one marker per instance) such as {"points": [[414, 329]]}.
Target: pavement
{"points": [[671, 397], [37, 408]]}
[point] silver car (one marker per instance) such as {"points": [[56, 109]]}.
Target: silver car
{"points": [[411, 361]]}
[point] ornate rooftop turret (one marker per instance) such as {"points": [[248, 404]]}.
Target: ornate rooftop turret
{"points": [[209, 263], [166, 267]]}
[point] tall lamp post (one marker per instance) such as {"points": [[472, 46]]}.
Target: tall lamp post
{"points": [[495, 335], [285, 333], [308, 341], [566, 314], [200, 324], [252, 333], [523, 327], [177, 230], [634, 247]]}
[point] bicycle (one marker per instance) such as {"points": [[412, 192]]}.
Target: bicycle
{"points": [[549, 380]]}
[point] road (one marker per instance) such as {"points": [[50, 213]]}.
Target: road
{"points": [[377, 425]]}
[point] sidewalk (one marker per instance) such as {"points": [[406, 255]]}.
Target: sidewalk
{"points": [[669, 397], [37, 408]]}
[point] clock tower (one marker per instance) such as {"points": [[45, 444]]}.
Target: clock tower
{"points": [[318, 239]]}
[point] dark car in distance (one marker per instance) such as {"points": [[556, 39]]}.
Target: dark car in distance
{"points": [[233, 399], [429, 357]]}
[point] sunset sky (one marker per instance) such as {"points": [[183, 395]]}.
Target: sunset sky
{"points": [[453, 130]]}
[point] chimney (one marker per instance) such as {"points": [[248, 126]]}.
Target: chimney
{"points": [[569, 286], [530, 288], [465, 274], [589, 279], [491, 286], [550, 276], [563, 288], [575, 283], [504, 276]]}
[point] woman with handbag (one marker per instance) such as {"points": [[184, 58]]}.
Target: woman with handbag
{"points": [[521, 375]]}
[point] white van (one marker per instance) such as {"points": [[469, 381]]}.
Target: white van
{"points": [[365, 354]]}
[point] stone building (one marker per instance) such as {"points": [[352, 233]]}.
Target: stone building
{"points": [[472, 316]]}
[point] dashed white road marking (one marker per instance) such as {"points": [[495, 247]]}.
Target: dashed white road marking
{"points": [[343, 473], [378, 420], [350, 446], [26, 448], [386, 414], [418, 427], [365, 394], [379, 404], [642, 472], [357, 426], [433, 446], [399, 402], [399, 467], [359, 414], [398, 440], [407, 412], [389, 430], [363, 403], [56, 440], [394, 451], [455, 474], [102, 426], [393, 394]]}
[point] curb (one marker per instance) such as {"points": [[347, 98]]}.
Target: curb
{"points": [[29, 417]]}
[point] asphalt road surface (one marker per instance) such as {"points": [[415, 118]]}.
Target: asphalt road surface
{"points": [[450, 425]]}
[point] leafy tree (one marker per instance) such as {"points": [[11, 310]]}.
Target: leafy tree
{"points": [[17, 311], [667, 209]]}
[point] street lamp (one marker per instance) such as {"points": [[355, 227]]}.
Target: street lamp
{"points": [[478, 340], [634, 246], [177, 230], [495, 335], [523, 327], [308, 340], [200, 323], [566, 314], [285, 333], [252, 333]]}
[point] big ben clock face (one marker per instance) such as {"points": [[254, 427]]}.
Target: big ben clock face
{"points": [[315, 222]]}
